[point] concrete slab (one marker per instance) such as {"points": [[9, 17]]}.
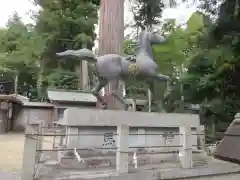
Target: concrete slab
{"points": [[96, 117]]}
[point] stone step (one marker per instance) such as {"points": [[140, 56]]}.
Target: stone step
{"points": [[70, 161]]}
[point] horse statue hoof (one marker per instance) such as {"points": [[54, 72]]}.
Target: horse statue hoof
{"points": [[103, 105], [130, 109]]}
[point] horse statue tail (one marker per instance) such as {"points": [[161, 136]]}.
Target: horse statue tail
{"points": [[81, 54]]}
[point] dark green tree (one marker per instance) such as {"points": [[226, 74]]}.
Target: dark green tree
{"points": [[64, 24], [147, 12], [19, 51], [212, 79]]}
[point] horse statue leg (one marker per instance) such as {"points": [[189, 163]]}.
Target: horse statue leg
{"points": [[115, 93], [95, 91]]}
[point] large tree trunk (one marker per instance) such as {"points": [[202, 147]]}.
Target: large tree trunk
{"points": [[111, 27], [111, 33]]}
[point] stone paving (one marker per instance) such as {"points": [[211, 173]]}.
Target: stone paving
{"points": [[164, 171], [212, 166], [10, 165], [10, 175]]}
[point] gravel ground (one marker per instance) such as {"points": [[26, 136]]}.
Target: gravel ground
{"points": [[11, 148], [11, 154]]}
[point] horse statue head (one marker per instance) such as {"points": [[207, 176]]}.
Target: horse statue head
{"points": [[156, 38], [147, 40], [151, 37]]}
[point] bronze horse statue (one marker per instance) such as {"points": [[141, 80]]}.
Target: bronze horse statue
{"points": [[113, 67]]}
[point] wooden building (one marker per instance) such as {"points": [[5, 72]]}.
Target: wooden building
{"points": [[33, 112], [10, 108]]}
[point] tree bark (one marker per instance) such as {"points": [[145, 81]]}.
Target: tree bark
{"points": [[111, 32], [111, 27]]}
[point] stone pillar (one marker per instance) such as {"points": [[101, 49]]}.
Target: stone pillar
{"points": [[122, 151], [201, 137], [40, 137], [29, 154], [3, 122], [185, 152]]}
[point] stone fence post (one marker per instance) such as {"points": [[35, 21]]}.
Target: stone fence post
{"points": [[32, 143], [122, 149], [185, 152], [29, 157]]}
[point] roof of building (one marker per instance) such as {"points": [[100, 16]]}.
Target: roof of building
{"points": [[10, 98], [20, 97], [229, 148], [70, 96], [37, 104], [79, 96]]}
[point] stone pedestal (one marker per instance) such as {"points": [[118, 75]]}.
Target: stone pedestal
{"points": [[201, 137], [122, 151], [185, 152]]}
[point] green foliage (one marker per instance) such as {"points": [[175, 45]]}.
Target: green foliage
{"points": [[173, 56], [202, 60], [147, 13], [212, 79], [64, 25], [134, 88], [129, 47], [19, 51], [63, 80], [29, 50], [170, 54]]}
